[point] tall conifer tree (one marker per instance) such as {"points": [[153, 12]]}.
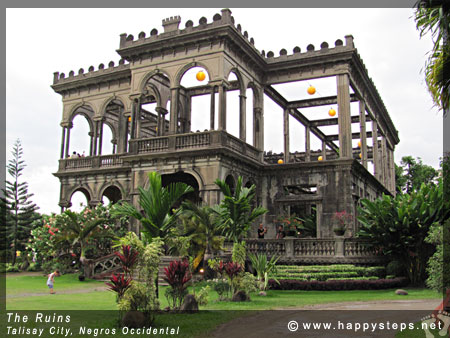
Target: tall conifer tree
{"points": [[18, 210]]}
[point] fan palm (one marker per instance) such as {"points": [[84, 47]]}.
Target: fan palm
{"points": [[157, 203]]}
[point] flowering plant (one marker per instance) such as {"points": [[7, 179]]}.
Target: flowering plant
{"points": [[292, 224], [342, 220]]}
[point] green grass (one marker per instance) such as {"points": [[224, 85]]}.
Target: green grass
{"points": [[75, 295], [19, 284]]}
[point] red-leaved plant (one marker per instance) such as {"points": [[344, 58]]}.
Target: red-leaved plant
{"points": [[128, 258], [119, 284], [232, 269], [177, 275]]}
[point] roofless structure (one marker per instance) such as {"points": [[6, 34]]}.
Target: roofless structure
{"points": [[142, 101]]}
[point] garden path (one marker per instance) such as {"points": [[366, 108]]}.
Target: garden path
{"points": [[274, 323]]}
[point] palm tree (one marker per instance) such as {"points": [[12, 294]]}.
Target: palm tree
{"points": [[204, 228], [156, 202], [236, 211], [433, 16], [77, 231]]}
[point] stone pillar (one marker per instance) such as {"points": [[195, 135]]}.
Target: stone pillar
{"points": [[68, 140], [384, 162], [344, 117], [114, 143], [133, 119], [161, 121], [173, 125], [125, 135], [138, 117], [392, 171], [222, 107], [100, 138], [258, 128], [376, 168], [91, 145], [95, 138], [307, 143], [242, 117], [362, 132], [63, 141], [324, 150], [212, 108], [286, 135]]}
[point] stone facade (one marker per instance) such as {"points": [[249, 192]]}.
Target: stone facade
{"points": [[150, 71]]}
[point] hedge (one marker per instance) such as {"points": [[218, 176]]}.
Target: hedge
{"points": [[337, 285]]}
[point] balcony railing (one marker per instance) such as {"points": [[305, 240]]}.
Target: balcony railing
{"points": [[179, 142], [315, 249], [194, 141], [91, 162]]}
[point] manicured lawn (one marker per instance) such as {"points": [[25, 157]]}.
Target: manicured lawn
{"points": [[19, 284], [72, 294], [30, 293]]}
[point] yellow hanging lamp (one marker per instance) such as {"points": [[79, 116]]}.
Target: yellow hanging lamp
{"points": [[280, 161], [332, 112], [320, 158], [311, 90], [200, 75], [359, 144]]}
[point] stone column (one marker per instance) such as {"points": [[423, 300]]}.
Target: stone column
{"points": [[344, 118], [91, 145], [376, 168], [161, 121], [391, 171], [324, 150], [222, 107], [258, 128], [212, 108], [94, 153], [286, 134], [242, 117], [100, 138], [173, 125], [133, 119], [384, 162], [63, 141], [114, 143], [138, 117], [307, 143], [362, 132], [68, 139]]}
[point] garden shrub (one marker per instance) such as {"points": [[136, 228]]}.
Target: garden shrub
{"points": [[222, 287], [239, 253], [137, 298], [435, 266], [177, 275], [395, 268], [336, 285], [202, 296], [247, 283], [12, 267]]}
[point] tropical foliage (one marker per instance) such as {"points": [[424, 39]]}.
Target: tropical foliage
{"points": [[236, 210], [264, 268], [412, 173], [156, 202], [397, 227], [432, 16], [177, 275], [439, 236]]}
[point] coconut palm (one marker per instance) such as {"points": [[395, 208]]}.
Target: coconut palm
{"points": [[157, 216], [236, 211]]}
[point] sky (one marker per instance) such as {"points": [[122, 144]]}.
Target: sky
{"points": [[42, 41]]}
